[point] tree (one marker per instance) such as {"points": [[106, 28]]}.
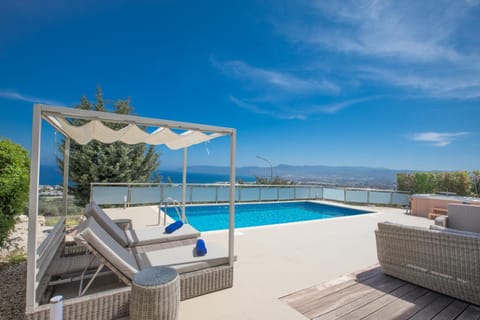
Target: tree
{"points": [[475, 178], [99, 162], [14, 177]]}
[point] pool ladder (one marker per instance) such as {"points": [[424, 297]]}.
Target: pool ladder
{"points": [[174, 204]]}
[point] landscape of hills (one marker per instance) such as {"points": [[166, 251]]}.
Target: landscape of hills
{"points": [[319, 174], [334, 175]]}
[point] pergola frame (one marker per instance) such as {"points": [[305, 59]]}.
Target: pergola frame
{"points": [[41, 111]]}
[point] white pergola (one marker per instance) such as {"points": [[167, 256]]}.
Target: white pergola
{"points": [[190, 134]]}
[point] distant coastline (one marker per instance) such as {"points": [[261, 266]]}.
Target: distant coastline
{"points": [[50, 175]]}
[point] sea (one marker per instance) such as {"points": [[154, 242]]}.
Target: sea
{"points": [[50, 175]]}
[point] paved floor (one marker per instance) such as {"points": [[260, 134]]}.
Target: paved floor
{"points": [[274, 261]]}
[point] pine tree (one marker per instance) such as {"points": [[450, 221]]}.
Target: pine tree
{"points": [[99, 162]]}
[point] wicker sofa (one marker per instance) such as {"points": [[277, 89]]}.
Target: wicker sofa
{"points": [[440, 259]]}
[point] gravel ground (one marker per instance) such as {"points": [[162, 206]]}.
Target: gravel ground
{"points": [[12, 291]]}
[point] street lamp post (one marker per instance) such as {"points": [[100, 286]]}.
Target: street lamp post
{"points": [[271, 167]]}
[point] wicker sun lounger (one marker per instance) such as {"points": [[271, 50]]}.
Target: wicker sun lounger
{"points": [[198, 274], [153, 236], [446, 261]]}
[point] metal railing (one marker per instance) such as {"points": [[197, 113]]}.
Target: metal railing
{"points": [[157, 193]]}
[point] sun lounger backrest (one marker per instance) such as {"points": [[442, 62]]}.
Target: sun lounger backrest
{"points": [[92, 236], [93, 210], [49, 247]]}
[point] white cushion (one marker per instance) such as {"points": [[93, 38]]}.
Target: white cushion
{"points": [[91, 234], [93, 210], [183, 258], [156, 234]]}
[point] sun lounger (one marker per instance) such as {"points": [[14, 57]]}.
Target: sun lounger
{"points": [[125, 263], [138, 237]]}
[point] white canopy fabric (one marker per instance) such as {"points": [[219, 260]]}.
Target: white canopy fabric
{"points": [[130, 134]]}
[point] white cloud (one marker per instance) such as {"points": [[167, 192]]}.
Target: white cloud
{"points": [[405, 30], [271, 112], [298, 112], [273, 79], [420, 45], [336, 107], [13, 95], [454, 86], [438, 139]]}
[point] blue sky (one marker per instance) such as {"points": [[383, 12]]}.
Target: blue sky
{"points": [[392, 84]]}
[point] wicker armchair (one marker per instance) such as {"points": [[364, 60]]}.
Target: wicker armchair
{"points": [[444, 261]]}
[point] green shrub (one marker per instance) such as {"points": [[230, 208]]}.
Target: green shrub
{"points": [[14, 176], [459, 182]]}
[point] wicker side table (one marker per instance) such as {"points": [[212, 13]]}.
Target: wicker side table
{"points": [[155, 294]]}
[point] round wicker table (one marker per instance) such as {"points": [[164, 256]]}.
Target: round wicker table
{"points": [[155, 294]]}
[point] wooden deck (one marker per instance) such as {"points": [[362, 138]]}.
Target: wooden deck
{"points": [[371, 294]]}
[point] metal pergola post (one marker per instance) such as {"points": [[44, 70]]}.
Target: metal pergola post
{"points": [[184, 183], [31, 284], [66, 161], [231, 228]]}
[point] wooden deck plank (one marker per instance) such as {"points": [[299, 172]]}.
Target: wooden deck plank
{"points": [[373, 295], [314, 293], [433, 308], [400, 306], [452, 311], [360, 302], [470, 313], [347, 295], [377, 304]]}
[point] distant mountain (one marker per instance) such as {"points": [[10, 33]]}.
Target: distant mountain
{"points": [[344, 175], [328, 175]]}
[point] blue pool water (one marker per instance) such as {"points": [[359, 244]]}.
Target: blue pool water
{"points": [[215, 217]]}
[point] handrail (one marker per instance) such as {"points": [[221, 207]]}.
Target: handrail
{"points": [[175, 204], [106, 193]]}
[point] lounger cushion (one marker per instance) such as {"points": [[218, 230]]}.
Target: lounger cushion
{"points": [[93, 210], [184, 258], [91, 235], [156, 234]]}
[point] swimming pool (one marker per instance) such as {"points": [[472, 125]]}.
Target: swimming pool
{"points": [[215, 217]]}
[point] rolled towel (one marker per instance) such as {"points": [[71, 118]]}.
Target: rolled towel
{"points": [[173, 226], [200, 248]]}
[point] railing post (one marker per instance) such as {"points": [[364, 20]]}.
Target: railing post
{"points": [[160, 193], [91, 191], [344, 195], [129, 196], [368, 197]]}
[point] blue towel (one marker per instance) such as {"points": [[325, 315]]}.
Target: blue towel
{"points": [[173, 226], [200, 248]]}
